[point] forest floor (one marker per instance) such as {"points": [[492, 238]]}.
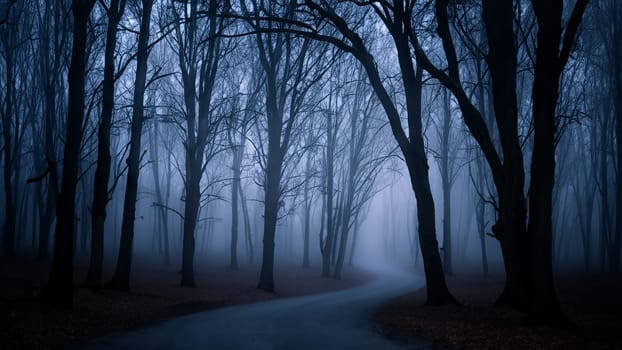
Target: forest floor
{"points": [[155, 296], [594, 304]]}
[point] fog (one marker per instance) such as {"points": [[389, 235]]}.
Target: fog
{"points": [[281, 134]]}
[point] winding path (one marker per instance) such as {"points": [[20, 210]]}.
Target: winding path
{"points": [[337, 320]]}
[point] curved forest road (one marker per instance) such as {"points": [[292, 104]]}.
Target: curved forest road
{"points": [[337, 320]]}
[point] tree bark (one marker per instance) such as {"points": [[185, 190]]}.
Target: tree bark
{"points": [[247, 226], [102, 170], [417, 163], [542, 296], [49, 70], [59, 287], [446, 182], [271, 209], [307, 214], [9, 145], [238, 152], [412, 147], [191, 210], [327, 248], [510, 228], [354, 237], [121, 277], [198, 131], [276, 56], [614, 263], [272, 190], [544, 305], [162, 212]]}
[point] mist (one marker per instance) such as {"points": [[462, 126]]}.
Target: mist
{"points": [[257, 140]]}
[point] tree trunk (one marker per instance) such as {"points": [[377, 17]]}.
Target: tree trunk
{"points": [[84, 214], [480, 210], [102, 170], [271, 209], [272, 184], [164, 212], [605, 217], [307, 214], [354, 237], [357, 137], [446, 182], [46, 205], [51, 67], [238, 152], [161, 210], [193, 178], [197, 132], [327, 248], [510, 227], [8, 120], [543, 303], [616, 244], [345, 230], [247, 226], [121, 277], [417, 164], [412, 147], [59, 287], [482, 236]]}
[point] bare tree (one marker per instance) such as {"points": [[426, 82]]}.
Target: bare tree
{"points": [[397, 19], [121, 277], [610, 34], [362, 163], [9, 40], [237, 133], [59, 287], [289, 74], [101, 194], [200, 53], [52, 46], [446, 159]]}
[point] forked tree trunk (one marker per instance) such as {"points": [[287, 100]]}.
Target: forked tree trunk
{"points": [[543, 301], [543, 304], [510, 227]]}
